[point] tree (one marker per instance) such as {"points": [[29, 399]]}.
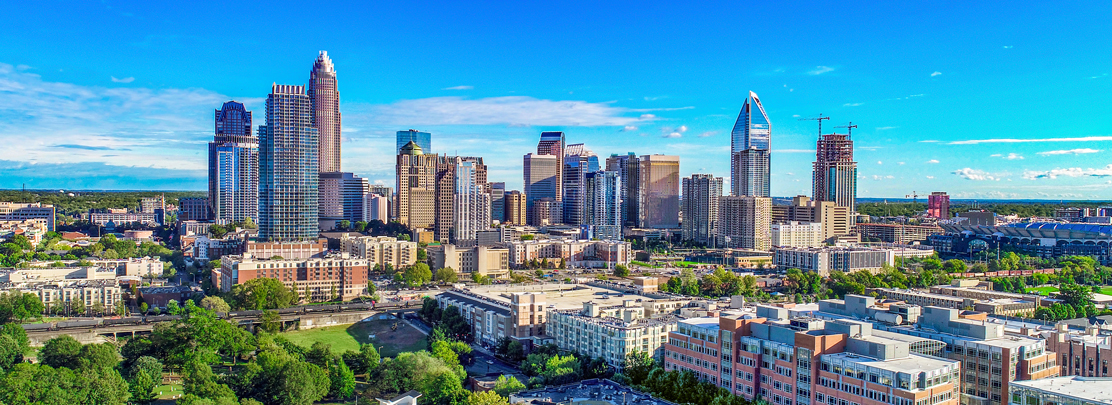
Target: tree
{"points": [[271, 322], [218, 231], [249, 223], [345, 224], [506, 386], [262, 293], [10, 352], [142, 387], [363, 361], [446, 275], [98, 357], [486, 398], [637, 366], [479, 278], [18, 306], [341, 380], [621, 271], [62, 351], [215, 304], [169, 272], [78, 307], [172, 307], [143, 307], [955, 266]]}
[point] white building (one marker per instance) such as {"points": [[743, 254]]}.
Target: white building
{"points": [[1070, 390], [12, 211], [380, 250], [610, 332], [472, 207], [578, 253], [823, 260], [376, 207], [797, 234]]}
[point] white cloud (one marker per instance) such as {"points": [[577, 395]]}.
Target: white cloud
{"points": [[647, 116], [936, 73], [900, 163], [672, 135], [879, 162], [510, 110], [124, 80], [820, 70], [1007, 46], [888, 177], [930, 177], [1011, 140], [1068, 172], [852, 104], [975, 174], [995, 155], [459, 88], [707, 134], [885, 128], [1014, 156], [629, 128], [928, 141], [682, 128], [933, 161], [22, 67], [1079, 151]]}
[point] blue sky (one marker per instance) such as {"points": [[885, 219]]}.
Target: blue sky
{"points": [[982, 101]]}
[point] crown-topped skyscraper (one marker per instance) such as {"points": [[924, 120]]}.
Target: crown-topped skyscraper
{"points": [[750, 147], [325, 98]]}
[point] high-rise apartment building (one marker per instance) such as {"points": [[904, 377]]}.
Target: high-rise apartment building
{"points": [[341, 196], [835, 220], [376, 208], [745, 222], [422, 139], [324, 97], [660, 191], [797, 234], [578, 161], [515, 208], [542, 179], [628, 167], [835, 172], [701, 193], [288, 167], [545, 212], [938, 205], [604, 205], [234, 165], [388, 192], [498, 201], [472, 206], [750, 150], [428, 191]]}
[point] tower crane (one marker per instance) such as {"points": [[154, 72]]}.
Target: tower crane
{"points": [[849, 128], [819, 119], [914, 197]]}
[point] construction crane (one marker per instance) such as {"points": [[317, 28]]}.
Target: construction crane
{"points": [[819, 119], [913, 196], [849, 128]]}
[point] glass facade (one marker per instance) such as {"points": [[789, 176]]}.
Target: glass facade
{"points": [[750, 144], [422, 139], [234, 165], [288, 164]]}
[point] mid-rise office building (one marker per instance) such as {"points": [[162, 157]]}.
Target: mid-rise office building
{"points": [[745, 222], [342, 197], [422, 139], [797, 234], [824, 260], [545, 212], [194, 209], [604, 205], [836, 221], [521, 317], [233, 170], [835, 173], [152, 205], [578, 161], [516, 212], [542, 181], [288, 167], [938, 205], [380, 251], [659, 192], [552, 143], [578, 253], [498, 201], [628, 167], [750, 149], [701, 194], [896, 233], [324, 101], [13, 211], [120, 216], [610, 332], [376, 208], [1062, 391]]}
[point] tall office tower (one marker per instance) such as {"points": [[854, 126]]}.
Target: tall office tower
{"points": [[578, 161], [553, 143], [701, 193], [835, 220], [659, 191], [324, 96], [234, 165], [604, 204], [416, 195], [938, 205], [835, 176], [542, 179], [745, 222], [472, 202], [628, 167], [515, 208], [422, 139], [341, 195], [750, 150], [498, 202], [288, 167]]}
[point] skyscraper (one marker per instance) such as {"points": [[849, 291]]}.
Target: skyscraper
{"points": [[515, 208], [422, 139], [416, 195], [835, 175], [342, 196], [659, 191], [701, 193], [553, 143], [628, 167], [472, 207], [745, 222], [750, 150], [938, 205], [234, 165], [603, 194], [498, 201], [578, 161], [288, 167], [324, 97], [541, 180], [429, 189]]}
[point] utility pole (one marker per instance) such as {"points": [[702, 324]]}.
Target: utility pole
{"points": [[819, 119]]}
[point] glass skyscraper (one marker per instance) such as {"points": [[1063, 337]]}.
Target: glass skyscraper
{"points": [[604, 205], [288, 167], [750, 150], [234, 165], [422, 139]]}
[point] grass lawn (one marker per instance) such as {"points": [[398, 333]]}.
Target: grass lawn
{"points": [[1106, 290], [1045, 290], [349, 337], [169, 391], [643, 264]]}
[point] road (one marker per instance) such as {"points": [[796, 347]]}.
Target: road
{"points": [[485, 362]]}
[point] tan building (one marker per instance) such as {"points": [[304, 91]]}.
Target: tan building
{"points": [[286, 250], [647, 284], [426, 197], [745, 222], [659, 192], [13, 211], [89, 292], [578, 253], [515, 208], [33, 229], [547, 211], [315, 279], [610, 332], [380, 250], [522, 316], [488, 261], [835, 220]]}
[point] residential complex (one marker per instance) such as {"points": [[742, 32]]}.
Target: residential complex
{"points": [[519, 315], [797, 234], [376, 208], [493, 262], [628, 167], [610, 332], [380, 251], [578, 253], [745, 222], [604, 205], [32, 229], [824, 260], [233, 166], [836, 221], [659, 192], [938, 205], [288, 167], [897, 233], [314, 279], [701, 194], [516, 212], [578, 162], [750, 149], [122, 216]]}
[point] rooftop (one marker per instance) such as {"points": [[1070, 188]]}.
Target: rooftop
{"points": [[705, 323], [597, 391], [912, 364], [1097, 389]]}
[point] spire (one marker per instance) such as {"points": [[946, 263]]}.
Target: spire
{"points": [[324, 63]]}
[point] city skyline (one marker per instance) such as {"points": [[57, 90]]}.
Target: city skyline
{"points": [[936, 112]]}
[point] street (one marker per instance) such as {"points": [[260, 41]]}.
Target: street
{"points": [[485, 362]]}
